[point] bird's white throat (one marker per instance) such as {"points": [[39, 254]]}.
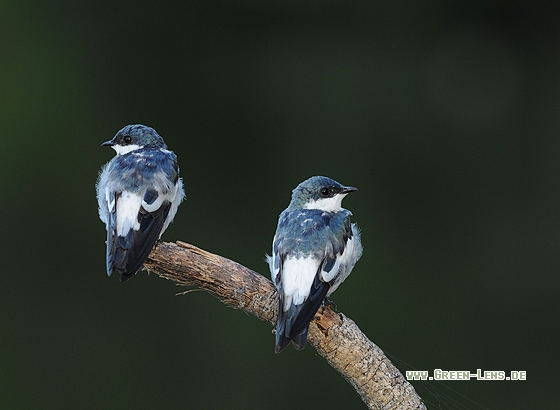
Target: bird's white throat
{"points": [[333, 204], [125, 149]]}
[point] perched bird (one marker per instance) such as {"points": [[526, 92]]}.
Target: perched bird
{"points": [[313, 252], [138, 193]]}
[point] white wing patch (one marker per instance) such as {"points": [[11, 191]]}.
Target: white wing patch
{"points": [[297, 278], [128, 206]]}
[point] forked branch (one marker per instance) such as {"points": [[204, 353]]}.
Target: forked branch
{"points": [[335, 337]]}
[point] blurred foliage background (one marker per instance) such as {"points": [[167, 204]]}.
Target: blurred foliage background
{"points": [[443, 114]]}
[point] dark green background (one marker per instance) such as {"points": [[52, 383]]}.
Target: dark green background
{"points": [[445, 116]]}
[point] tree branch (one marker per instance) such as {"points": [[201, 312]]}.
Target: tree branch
{"points": [[335, 337]]}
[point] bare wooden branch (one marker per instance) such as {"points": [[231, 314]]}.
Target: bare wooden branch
{"points": [[335, 337]]}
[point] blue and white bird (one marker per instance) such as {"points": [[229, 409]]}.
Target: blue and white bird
{"points": [[313, 252], [138, 193]]}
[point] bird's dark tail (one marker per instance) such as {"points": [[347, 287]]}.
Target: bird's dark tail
{"points": [[293, 324]]}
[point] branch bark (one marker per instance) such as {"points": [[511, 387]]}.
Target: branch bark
{"points": [[335, 337]]}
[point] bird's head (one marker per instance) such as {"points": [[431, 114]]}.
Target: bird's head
{"points": [[320, 193], [133, 137]]}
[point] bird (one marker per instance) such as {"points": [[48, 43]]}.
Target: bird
{"points": [[138, 193], [313, 251]]}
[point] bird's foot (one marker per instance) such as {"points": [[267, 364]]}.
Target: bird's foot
{"points": [[328, 304]]}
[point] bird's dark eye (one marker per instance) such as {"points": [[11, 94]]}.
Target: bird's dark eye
{"points": [[329, 191], [127, 139]]}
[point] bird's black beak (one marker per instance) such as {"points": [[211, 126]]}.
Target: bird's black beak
{"points": [[348, 189], [108, 144]]}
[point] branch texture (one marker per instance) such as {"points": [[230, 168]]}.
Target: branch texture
{"points": [[335, 337]]}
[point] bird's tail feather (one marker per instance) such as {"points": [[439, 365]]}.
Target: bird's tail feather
{"points": [[293, 324]]}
